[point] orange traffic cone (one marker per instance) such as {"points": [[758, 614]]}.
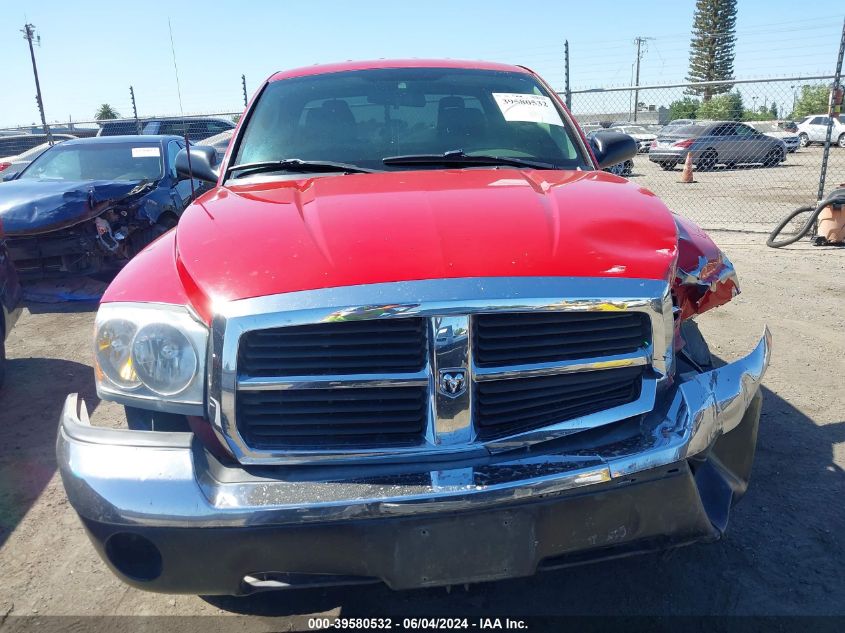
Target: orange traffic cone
{"points": [[686, 175]]}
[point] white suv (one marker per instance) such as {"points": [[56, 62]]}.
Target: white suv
{"points": [[813, 129]]}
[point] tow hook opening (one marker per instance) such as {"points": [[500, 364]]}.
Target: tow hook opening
{"points": [[134, 556]]}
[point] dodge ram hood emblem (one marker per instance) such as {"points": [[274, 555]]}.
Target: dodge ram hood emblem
{"points": [[453, 382]]}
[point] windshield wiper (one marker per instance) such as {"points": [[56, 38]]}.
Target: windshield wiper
{"points": [[298, 165], [459, 157]]}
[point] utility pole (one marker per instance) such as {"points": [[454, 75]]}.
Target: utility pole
{"points": [[29, 35], [567, 91], [243, 85], [135, 110], [639, 41]]}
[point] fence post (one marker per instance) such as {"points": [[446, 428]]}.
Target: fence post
{"points": [[135, 111], [566, 87], [837, 78]]}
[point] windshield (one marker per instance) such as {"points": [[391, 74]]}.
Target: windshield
{"points": [[362, 117], [634, 129], [97, 161]]}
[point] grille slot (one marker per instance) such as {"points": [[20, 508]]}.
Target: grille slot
{"points": [[351, 347], [510, 406], [538, 337], [323, 418]]}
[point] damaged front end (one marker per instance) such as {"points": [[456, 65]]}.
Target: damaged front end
{"points": [[705, 278], [79, 228]]}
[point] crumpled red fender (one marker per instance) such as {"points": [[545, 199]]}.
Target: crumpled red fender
{"points": [[704, 276]]}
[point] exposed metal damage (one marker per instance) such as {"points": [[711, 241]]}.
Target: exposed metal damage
{"points": [[705, 278], [78, 227]]}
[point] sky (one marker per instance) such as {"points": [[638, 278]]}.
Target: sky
{"points": [[91, 53]]}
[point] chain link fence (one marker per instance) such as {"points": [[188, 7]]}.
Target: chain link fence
{"points": [[756, 146]]}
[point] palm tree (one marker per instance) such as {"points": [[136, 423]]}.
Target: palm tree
{"points": [[105, 111]]}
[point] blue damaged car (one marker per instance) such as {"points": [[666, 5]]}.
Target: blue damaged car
{"points": [[10, 300], [91, 204]]}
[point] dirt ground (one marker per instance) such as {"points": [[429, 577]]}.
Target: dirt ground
{"points": [[745, 197], [784, 552]]}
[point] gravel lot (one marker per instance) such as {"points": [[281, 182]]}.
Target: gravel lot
{"points": [[743, 198], [784, 554]]}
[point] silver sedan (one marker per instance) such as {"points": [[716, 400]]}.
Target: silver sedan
{"points": [[721, 142]]}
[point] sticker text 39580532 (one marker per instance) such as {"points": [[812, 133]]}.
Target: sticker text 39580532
{"points": [[530, 108]]}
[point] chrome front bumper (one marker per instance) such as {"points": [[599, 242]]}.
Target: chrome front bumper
{"points": [[153, 479]]}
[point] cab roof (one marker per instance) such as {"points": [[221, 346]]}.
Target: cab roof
{"points": [[321, 69], [141, 139]]}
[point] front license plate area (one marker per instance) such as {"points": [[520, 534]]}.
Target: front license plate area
{"points": [[464, 549]]}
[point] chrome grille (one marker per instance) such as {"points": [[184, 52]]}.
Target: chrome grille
{"points": [[435, 368], [333, 417], [502, 339], [350, 347], [504, 407]]}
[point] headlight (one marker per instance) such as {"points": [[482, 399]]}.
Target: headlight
{"points": [[150, 355], [113, 349], [165, 360]]}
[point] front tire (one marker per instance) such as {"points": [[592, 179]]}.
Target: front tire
{"points": [[841, 141], [141, 238], [773, 158], [803, 140], [708, 160], [695, 350]]}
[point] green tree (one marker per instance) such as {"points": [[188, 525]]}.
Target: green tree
{"points": [[813, 100], [723, 108], [762, 113], [773, 110], [105, 111], [685, 108], [236, 118], [711, 55]]}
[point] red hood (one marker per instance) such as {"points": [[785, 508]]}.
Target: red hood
{"points": [[274, 237]]}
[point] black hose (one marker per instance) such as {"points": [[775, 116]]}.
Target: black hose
{"points": [[837, 197], [804, 229]]}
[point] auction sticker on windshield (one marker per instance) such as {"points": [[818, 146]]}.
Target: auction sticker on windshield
{"points": [[530, 108], [145, 152]]}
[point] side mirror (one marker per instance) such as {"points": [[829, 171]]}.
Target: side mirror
{"points": [[203, 163], [612, 148], [8, 177]]}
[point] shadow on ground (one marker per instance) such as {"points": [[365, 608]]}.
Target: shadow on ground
{"points": [[30, 404], [783, 554], [69, 307]]}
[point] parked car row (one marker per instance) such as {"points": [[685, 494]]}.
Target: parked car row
{"points": [[195, 128], [718, 143], [14, 142], [11, 165], [813, 129]]}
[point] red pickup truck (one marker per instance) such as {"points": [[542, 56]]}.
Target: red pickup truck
{"points": [[413, 335]]}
